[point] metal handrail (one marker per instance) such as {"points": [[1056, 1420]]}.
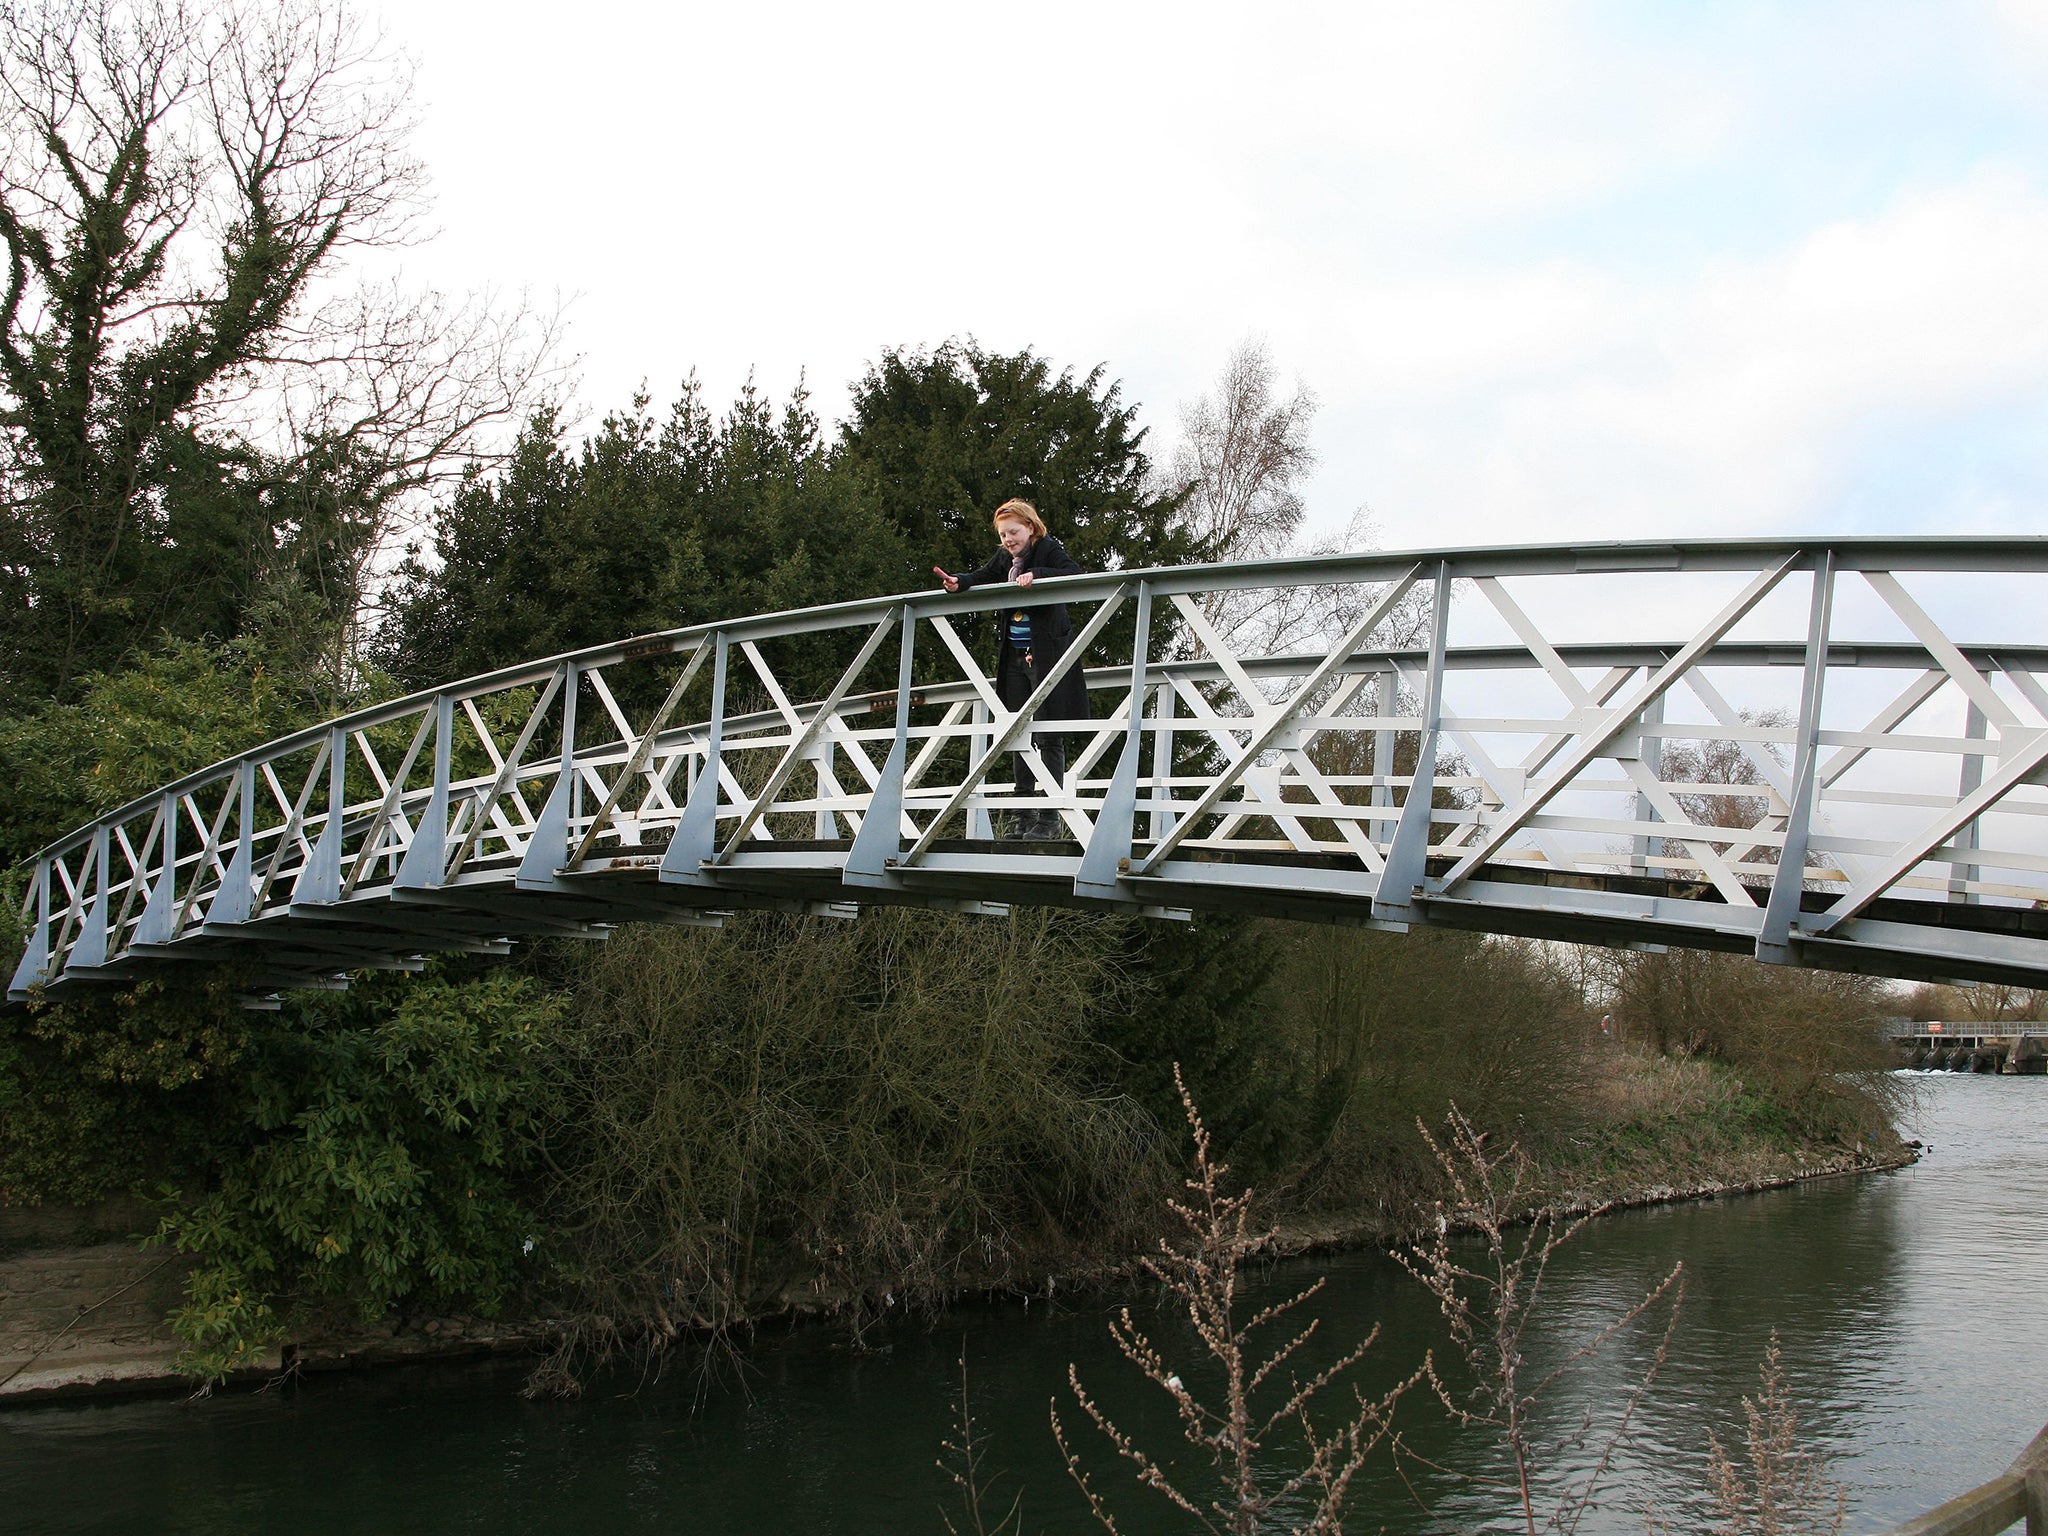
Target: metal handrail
{"points": [[1967, 1029]]}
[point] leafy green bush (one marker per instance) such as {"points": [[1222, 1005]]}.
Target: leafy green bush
{"points": [[108, 1092], [376, 1161], [180, 707]]}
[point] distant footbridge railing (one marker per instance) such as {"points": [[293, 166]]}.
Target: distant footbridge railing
{"points": [[1830, 753]]}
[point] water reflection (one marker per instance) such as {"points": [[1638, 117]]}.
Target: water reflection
{"points": [[1909, 1308]]}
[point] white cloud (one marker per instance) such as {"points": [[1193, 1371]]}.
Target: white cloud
{"points": [[1546, 265], [1583, 403]]}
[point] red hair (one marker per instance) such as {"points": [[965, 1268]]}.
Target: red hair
{"points": [[1023, 512]]}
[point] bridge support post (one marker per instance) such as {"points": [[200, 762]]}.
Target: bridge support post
{"points": [[1774, 945], [159, 921], [1408, 853], [879, 843], [1385, 701], [1160, 819], [1108, 854], [35, 960], [980, 825], [547, 848], [319, 881], [426, 858], [237, 891], [696, 837], [1650, 749], [90, 947], [1971, 834]]}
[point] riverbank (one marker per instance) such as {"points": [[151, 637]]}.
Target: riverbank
{"points": [[83, 1303], [1911, 1396]]}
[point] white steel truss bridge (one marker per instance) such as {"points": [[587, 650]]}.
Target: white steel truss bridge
{"points": [[1823, 753]]}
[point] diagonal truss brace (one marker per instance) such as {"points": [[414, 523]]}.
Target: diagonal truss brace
{"points": [[1595, 729], [1076, 649], [373, 834], [641, 752], [970, 670], [2026, 752], [508, 772], [801, 742], [880, 838], [1283, 715]]}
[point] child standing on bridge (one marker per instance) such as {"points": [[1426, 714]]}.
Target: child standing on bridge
{"points": [[1031, 641]]}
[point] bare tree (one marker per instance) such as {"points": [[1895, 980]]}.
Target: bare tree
{"points": [[182, 186], [1244, 451], [1489, 1301], [1983, 1002], [1718, 761], [1243, 455], [1263, 1395]]}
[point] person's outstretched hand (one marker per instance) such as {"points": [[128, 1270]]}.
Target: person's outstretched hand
{"points": [[1024, 578], [950, 583]]}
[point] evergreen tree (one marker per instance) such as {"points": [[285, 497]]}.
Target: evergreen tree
{"points": [[647, 527], [938, 440], [1200, 998]]}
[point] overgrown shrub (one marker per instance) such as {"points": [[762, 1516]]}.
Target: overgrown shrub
{"points": [[801, 1106], [1393, 1029], [108, 1091], [1807, 1041]]}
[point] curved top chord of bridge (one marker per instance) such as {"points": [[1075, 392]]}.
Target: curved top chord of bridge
{"points": [[1827, 753]]}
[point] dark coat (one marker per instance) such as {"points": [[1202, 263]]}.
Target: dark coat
{"points": [[1051, 630]]}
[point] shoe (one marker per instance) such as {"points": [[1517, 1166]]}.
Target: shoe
{"points": [[1044, 826]]}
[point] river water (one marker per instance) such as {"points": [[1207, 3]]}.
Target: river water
{"points": [[1912, 1310]]}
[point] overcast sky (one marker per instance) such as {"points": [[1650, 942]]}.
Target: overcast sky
{"points": [[1554, 271]]}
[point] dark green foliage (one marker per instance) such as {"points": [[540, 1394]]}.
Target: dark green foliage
{"points": [[227, 544], [108, 1092], [1199, 995], [938, 440], [1392, 1029], [372, 1160], [174, 710], [798, 1109], [648, 527]]}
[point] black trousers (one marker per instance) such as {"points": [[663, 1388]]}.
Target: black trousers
{"points": [[1013, 685]]}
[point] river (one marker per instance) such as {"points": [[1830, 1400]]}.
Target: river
{"points": [[1911, 1308]]}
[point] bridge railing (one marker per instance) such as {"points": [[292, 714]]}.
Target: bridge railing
{"points": [[1967, 1029], [1826, 753], [2019, 1493]]}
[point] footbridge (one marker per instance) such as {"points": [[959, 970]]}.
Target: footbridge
{"points": [[1823, 753]]}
